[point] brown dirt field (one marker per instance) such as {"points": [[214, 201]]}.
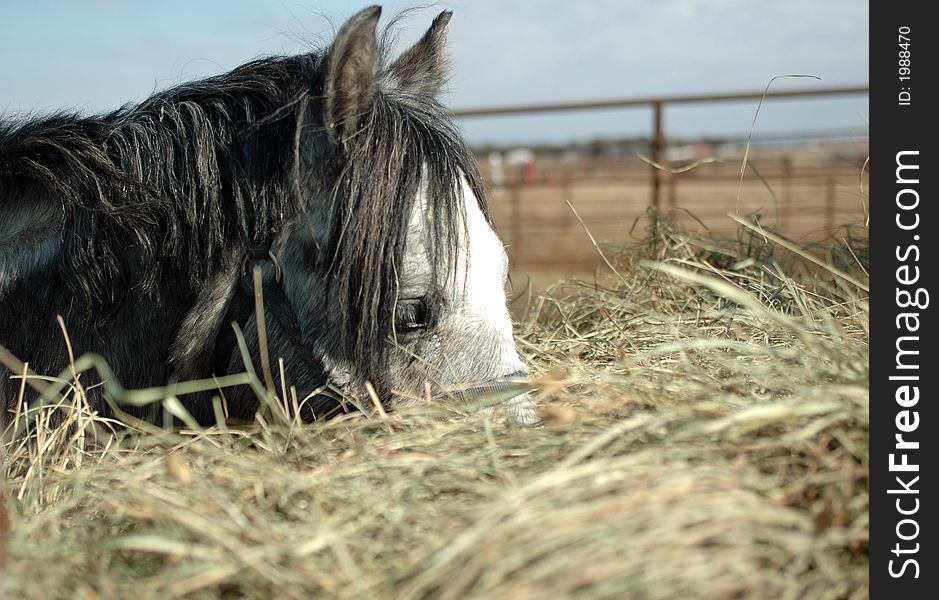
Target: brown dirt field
{"points": [[546, 242]]}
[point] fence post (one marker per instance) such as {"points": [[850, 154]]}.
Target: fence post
{"points": [[569, 196], [672, 197], [658, 153], [786, 216], [516, 209], [829, 204]]}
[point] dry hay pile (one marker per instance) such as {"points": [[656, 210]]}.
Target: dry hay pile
{"points": [[705, 435]]}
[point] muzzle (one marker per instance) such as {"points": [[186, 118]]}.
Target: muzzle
{"points": [[493, 392], [510, 394]]}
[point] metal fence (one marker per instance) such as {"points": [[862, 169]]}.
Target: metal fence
{"points": [[658, 105], [796, 191]]}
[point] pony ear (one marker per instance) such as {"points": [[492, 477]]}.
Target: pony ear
{"points": [[424, 67], [352, 65]]}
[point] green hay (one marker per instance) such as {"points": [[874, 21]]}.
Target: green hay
{"points": [[705, 435]]}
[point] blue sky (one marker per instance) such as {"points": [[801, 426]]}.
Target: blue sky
{"points": [[93, 55]]}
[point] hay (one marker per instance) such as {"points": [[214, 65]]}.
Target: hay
{"points": [[705, 435]]}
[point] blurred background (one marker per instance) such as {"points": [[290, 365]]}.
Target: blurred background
{"points": [[563, 102]]}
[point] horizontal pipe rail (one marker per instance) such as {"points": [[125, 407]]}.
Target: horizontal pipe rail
{"points": [[492, 111]]}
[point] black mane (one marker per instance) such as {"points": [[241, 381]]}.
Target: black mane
{"points": [[167, 190], [182, 176]]}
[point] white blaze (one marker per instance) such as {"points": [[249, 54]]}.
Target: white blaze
{"points": [[476, 293], [487, 268]]}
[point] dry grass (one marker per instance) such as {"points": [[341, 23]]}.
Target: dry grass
{"points": [[705, 435]]}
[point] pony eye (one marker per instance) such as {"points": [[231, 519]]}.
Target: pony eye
{"points": [[411, 315]]}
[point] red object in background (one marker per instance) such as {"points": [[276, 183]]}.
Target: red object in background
{"points": [[528, 171]]}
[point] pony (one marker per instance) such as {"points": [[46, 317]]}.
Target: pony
{"points": [[332, 183]]}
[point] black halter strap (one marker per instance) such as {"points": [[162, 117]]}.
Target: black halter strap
{"points": [[285, 337], [241, 307]]}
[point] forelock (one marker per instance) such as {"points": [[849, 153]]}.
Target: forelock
{"points": [[406, 148]]}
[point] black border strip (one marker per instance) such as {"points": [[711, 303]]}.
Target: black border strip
{"points": [[904, 243]]}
